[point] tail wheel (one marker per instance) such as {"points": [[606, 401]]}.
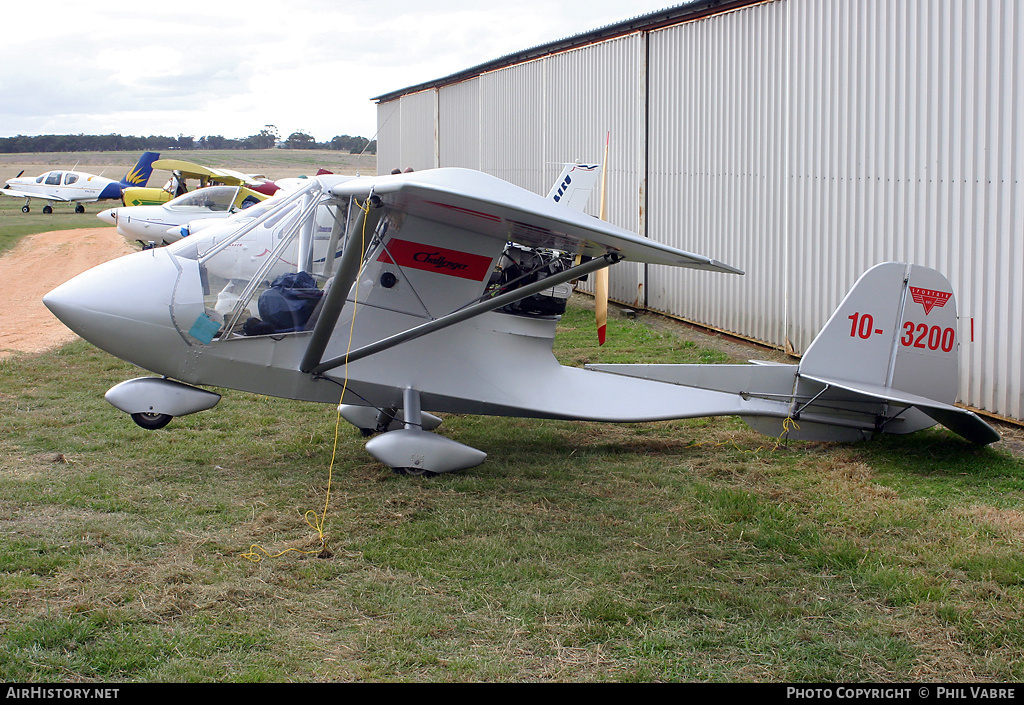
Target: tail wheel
{"points": [[151, 422]]}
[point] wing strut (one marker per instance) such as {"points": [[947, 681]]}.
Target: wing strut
{"points": [[459, 315], [348, 270]]}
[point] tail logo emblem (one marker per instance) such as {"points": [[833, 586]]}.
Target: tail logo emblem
{"points": [[929, 298]]}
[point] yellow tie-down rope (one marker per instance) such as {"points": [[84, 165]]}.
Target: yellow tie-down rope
{"points": [[316, 522], [788, 424]]}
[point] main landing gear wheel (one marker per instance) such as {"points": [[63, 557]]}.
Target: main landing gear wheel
{"points": [[151, 422], [415, 472], [25, 208], [79, 208], [47, 209]]}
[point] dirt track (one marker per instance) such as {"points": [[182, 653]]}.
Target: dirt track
{"points": [[38, 264]]}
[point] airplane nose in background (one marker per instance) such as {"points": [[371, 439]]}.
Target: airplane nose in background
{"points": [[108, 216]]}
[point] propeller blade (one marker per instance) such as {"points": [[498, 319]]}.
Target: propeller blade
{"points": [[601, 303], [19, 174], [601, 276]]}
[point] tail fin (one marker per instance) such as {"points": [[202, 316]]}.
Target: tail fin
{"points": [[574, 185], [895, 339], [897, 327], [143, 169]]}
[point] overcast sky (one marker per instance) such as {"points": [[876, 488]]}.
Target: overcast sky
{"points": [[217, 68]]}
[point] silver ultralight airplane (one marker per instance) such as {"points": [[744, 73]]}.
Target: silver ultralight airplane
{"points": [[78, 187], [437, 291]]}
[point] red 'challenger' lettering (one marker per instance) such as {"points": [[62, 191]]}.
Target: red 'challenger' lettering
{"points": [[428, 258]]}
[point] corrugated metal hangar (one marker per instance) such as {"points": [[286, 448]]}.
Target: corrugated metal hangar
{"points": [[800, 140]]}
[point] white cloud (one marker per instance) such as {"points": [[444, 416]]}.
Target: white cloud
{"points": [[137, 69]]}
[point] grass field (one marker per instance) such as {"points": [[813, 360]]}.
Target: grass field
{"points": [[240, 545]]}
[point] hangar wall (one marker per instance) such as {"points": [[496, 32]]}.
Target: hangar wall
{"points": [[800, 140]]}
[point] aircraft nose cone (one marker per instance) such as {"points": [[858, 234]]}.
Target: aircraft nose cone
{"points": [[176, 233], [108, 216], [125, 307]]}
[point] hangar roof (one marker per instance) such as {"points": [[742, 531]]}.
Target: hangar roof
{"points": [[685, 12]]}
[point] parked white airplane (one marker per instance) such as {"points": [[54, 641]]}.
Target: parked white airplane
{"points": [[406, 315], [160, 224], [60, 186]]}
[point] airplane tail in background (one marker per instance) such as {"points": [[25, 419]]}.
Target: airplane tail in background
{"points": [[575, 184], [143, 169]]}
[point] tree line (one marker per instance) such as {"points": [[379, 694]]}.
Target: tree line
{"points": [[264, 139]]}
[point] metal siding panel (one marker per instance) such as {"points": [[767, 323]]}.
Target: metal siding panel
{"points": [[802, 140], [907, 146], [459, 124], [419, 136], [512, 125], [593, 96], [389, 134], [714, 107], [406, 136]]}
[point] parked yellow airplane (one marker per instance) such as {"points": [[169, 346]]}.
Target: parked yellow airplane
{"points": [[181, 171]]}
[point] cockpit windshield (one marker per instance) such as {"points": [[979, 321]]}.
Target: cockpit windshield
{"points": [[265, 269], [211, 198]]}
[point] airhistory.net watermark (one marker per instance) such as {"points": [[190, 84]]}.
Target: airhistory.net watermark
{"points": [[55, 693]]}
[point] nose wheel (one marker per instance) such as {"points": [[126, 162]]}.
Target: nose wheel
{"points": [[414, 472], [151, 422]]}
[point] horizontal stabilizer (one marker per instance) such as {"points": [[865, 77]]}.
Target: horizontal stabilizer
{"points": [[961, 421], [886, 362]]}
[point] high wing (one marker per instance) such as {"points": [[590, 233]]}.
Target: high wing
{"points": [[488, 206], [196, 171]]}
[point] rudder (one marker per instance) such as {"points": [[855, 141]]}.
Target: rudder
{"points": [[574, 185], [139, 174]]}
